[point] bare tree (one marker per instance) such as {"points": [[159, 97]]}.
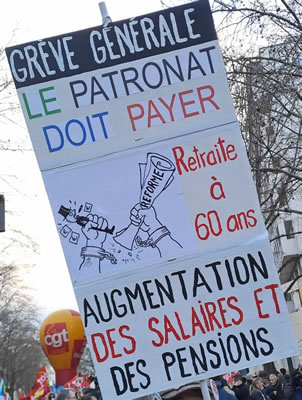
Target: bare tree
{"points": [[262, 48], [20, 351], [269, 110], [261, 43], [266, 87], [86, 364]]}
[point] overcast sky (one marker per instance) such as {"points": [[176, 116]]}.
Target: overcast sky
{"points": [[23, 21], [34, 19]]}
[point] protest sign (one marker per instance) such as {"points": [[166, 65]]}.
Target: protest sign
{"points": [[102, 90], [141, 154], [200, 318]]}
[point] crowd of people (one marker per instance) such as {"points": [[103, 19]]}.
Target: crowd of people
{"points": [[258, 386]]}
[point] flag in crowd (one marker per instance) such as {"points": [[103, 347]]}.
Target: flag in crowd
{"points": [[77, 382], [3, 393], [40, 389], [42, 386]]}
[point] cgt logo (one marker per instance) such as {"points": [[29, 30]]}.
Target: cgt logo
{"points": [[56, 338]]}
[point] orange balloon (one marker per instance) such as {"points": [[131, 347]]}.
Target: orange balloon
{"points": [[63, 340]]}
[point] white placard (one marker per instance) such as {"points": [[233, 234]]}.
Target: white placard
{"points": [[174, 324], [141, 154]]}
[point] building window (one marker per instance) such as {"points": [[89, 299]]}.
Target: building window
{"points": [[289, 229], [282, 197], [276, 162], [270, 131]]}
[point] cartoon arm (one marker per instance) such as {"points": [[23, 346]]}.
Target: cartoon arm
{"points": [[159, 235], [93, 236], [96, 238]]}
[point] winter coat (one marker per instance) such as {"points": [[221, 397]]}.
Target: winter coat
{"points": [[275, 392], [258, 395], [225, 393], [242, 392], [289, 391], [297, 380]]}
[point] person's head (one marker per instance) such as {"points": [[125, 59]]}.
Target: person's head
{"points": [[249, 377], [92, 394], [88, 397], [51, 396], [237, 380], [223, 382], [273, 379], [66, 394], [257, 384], [219, 381], [283, 371], [263, 376], [191, 391]]}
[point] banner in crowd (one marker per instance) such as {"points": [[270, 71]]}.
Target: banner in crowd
{"points": [[77, 382], [41, 386]]}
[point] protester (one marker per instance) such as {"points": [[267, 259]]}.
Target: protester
{"points": [[88, 397], [66, 394], [297, 382], [257, 390], [289, 391], [240, 388], [225, 393], [284, 377], [94, 392], [287, 385], [249, 379], [190, 391], [275, 389], [265, 381]]}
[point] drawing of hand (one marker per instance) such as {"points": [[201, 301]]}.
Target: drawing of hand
{"points": [[95, 237], [71, 217], [145, 218]]}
